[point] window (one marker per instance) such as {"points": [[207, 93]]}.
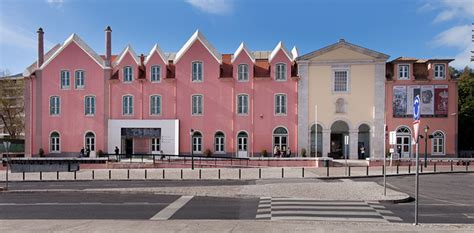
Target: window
{"points": [[280, 72], [437, 143], [54, 142], [155, 73], [155, 105], [90, 141], [197, 105], [219, 140], [242, 139], [280, 104], [65, 82], [243, 104], [439, 71], [280, 140], [54, 105], [155, 145], [197, 142], [403, 71], [243, 72], [127, 74], [79, 79], [197, 71], [127, 105], [89, 105], [341, 81]]}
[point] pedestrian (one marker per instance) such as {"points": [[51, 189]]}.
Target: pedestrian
{"points": [[117, 151], [362, 152], [283, 151], [81, 154], [88, 152], [399, 151], [162, 155], [275, 151], [288, 152]]}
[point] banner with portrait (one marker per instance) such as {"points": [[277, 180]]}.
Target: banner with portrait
{"points": [[427, 100], [399, 104], [441, 100], [412, 91]]}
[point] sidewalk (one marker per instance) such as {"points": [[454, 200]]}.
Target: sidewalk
{"points": [[217, 226]]}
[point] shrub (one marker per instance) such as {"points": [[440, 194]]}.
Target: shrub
{"points": [[100, 153], [207, 153], [264, 153], [41, 152], [303, 152]]}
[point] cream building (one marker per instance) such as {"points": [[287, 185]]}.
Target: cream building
{"points": [[342, 90]]}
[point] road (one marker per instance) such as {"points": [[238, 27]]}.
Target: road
{"points": [[444, 198]]}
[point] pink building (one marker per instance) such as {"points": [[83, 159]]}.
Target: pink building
{"points": [[235, 104], [431, 80]]}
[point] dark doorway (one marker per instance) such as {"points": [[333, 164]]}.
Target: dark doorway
{"points": [[337, 146], [129, 146]]}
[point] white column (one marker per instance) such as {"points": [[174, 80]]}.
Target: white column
{"points": [[303, 96], [353, 139], [326, 142], [377, 132]]}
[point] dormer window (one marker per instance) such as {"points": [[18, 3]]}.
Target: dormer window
{"points": [[127, 74], [403, 72], [243, 72], [155, 73], [280, 72], [197, 71], [439, 71]]}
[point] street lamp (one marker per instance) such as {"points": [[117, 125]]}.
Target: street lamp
{"points": [[426, 143], [191, 133]]}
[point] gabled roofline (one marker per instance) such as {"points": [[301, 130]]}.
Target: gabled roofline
{"points": [[279, 47], [343, 43], [76, 39], [160, 52], [198, 36], [130, 50], [294, 52], [241, 48], [30, 69]]}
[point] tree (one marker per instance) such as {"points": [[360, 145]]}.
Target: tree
{"points": [[466, 109], [11, 104]]}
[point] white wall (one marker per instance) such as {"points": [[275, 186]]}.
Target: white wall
{"points": [[169, 133]]}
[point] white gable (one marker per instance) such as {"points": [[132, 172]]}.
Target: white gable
{"points": [[198, 36], [279, 47], [130, 50], [241, 48], [160, 53]]}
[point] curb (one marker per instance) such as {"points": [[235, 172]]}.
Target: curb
{"points": [[399, 201], [388, 175]]}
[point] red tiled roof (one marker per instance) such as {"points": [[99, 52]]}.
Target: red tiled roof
{"points": [[226, 66], [262, 68], [170, 70]]}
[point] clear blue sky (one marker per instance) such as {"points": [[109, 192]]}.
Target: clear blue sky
{"points": [[413, 28]]}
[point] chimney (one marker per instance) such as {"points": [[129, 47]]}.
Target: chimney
{"points": [[40, 47], [108, 45]]}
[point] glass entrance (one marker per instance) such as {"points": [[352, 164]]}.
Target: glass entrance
{"points": [[242, 139], [403, 142]]}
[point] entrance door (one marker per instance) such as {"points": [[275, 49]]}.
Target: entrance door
{"points": [[337, 142], [155, 146], [242, 139], [129, 146], [403, 145]]}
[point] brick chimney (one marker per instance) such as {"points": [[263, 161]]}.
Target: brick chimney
{"points": [[40, 47], [108, 46]]}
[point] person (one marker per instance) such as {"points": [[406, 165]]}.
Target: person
{"points": [[275, 151], [288, 152], [283, 151], [162, 155], [362, 152], [81, 154], [88, 152], [117, 151], [399, 151]]}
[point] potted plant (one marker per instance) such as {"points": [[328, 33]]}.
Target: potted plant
{"points": [[303, 152], [100, 153], [41, 152], [207, 153], [264, 153]]}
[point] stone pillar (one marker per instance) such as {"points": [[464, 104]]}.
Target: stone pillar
{"points": [[353, 139], [303, 138], [326, 142], [377, 132]]}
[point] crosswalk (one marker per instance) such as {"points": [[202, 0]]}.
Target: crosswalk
{"points": [[271, 208]]}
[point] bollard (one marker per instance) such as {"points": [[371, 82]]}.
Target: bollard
{"points": [[75, 175], [282, 172], [260, 173], [434, 168], [349, 170], [219, 174], [163, 174], [409, 168], [93, 175], [181, 173], [240, 174], [367, 171], [57, 175], [467, 166], [451, 165], [110, 174], [23, 175], [302, 172], [421, 165], [199, 173], [383, 170], [397, 169], [146, 174], [327, 170], [128, 174]]}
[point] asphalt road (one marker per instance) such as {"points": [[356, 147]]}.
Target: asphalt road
{"points": [[443, 198]]}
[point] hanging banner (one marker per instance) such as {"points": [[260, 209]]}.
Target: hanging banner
{"points": [[441, 100], [399, 101], [427, 100], [412, 91]]}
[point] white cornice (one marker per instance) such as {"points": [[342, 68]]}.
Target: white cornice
{"points": [[195, 37]]}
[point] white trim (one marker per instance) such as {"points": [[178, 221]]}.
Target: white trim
{"points": [[161, 107], [237, 104], [287, 137], [59, 107], [123, 74], [294, 52], [49, 141], [197, 36], [279, 47], [408, 72], [444, 143], [238, 72], [79, 42], [286, 72], [151, 72], [61, 80], [400, 126], [95, 140], [274, 105], [202, 101], [434, 71], [160, 52], [83, 77], [333, 80], [237, 141], [202, 142], [192, 71], [224, 144], [121, 106], [241, 48], [130, 50], [95, 104]]}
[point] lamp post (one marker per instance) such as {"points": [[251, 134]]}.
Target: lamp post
{"points": [[192, 149], [426, 143]]}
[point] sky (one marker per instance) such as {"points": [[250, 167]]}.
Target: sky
{"points": [[410, 28]]}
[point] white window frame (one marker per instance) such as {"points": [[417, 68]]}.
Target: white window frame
{"points": [[435, 143], [194, 142], [127, 73], [79, 75], [242, 107], [155, 144], [242, 74], [55, 107], [443, 76], [333, 84], [65, 79], [94, 144], [58, 142], [219, 143], [399, 66], [89, 107], [199, 76], [127, 110], [158, 106], [155, 76], [279, 72], [197, 113], [280, 105]]}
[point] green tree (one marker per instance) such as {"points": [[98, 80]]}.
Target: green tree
{"points": [[11, 104], [466, 109]]}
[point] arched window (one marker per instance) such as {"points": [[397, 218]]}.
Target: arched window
{"points": [[55, 143], [403, 130], [242, 143], [219, 142], [403, 142], [90, 141], [316, 141], [437, 143], [280, 141], [197, 142]]}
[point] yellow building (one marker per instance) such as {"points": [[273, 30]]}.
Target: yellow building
{"points": [[342, 90]]}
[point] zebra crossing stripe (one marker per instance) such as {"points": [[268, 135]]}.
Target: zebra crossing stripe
{"points": [[386, 214], [264, 210]]}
